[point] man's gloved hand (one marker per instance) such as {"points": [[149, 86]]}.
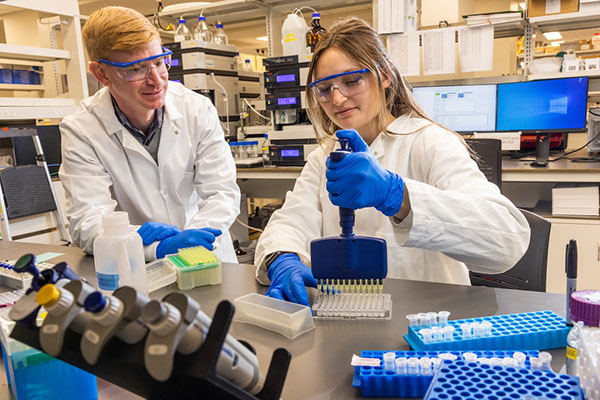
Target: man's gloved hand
{"points": [[289, 276], [358, 181], [187, 238], [156, 231]]}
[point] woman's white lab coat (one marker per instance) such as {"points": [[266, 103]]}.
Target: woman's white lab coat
{"points": [[457, 216], [105, 168]]}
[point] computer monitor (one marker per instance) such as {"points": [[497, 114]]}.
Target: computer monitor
{"points": [[466, 108], [543, 107]]}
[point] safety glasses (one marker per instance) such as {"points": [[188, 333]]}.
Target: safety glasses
{"points": [[138, 70], [348, 83]]}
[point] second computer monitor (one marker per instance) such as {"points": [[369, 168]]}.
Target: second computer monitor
{"points": [[465, 108]]}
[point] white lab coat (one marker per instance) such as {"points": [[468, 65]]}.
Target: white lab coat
{"points": [[105, 168], [457, 216]]}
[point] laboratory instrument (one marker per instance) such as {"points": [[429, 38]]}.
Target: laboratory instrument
{"points": [[350, 269], [178, 324], [314, 35], [112, 315]]}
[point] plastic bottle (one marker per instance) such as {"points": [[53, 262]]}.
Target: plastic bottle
{"points": [[584, 310], [119, 255], [220, 37], [596, 41], [293, 35], [239, 65], [182, 33], [314, 35], [248, 65], [202, 32], [265, 150]]}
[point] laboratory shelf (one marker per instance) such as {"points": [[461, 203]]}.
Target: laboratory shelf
{"points": [[466, 381], [17, 86], [585, 18], [539, 330], [32, 53], [558, 75], [378, 382]]}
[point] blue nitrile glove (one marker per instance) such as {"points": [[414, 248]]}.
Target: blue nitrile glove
{"points": [[156, 231], [187, 238], [289, 276], [358, 181]]}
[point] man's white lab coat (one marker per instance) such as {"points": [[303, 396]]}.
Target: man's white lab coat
{"points": [[457, 216], [105, 168]]}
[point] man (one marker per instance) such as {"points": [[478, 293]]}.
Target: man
{"points": [[146, 146]]}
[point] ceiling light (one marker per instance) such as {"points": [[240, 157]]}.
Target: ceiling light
{"points": [[557, 43], [553, 35], [263, 38]]}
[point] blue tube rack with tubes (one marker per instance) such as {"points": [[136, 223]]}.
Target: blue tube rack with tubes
{"points": [[379, 382], [462, 380], [540, 330]]}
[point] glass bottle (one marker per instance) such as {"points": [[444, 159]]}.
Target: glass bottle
{"points": [[182, 33], [202, 32], [220, 37], [315, 33], [248, 65], [239, 65]]}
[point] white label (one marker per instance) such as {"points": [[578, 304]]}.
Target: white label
{"points": [[210, 63], [50, 329], [552, 6], [364, 362], [92, 337], [157, 350]]}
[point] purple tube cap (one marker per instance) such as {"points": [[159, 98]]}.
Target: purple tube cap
{"points": [[585, 307]]}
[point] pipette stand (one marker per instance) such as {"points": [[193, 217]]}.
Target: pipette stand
{"points": [[193, 376]]}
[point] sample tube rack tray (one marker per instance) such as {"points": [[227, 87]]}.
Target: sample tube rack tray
{"points": [[470, 381], [378, 382], [539, 330]]}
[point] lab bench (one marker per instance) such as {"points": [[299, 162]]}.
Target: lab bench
{"points": [[320, 367]]}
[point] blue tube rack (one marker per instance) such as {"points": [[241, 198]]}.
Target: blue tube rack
{"points": [[377, 382], [468, 381], [541, 330]]}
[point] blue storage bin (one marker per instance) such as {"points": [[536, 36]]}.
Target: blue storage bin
{"points": [[6, 75]]}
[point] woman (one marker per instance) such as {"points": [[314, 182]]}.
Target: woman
{"points": [[411, 181]]}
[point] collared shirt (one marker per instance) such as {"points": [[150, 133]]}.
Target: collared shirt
{"points": [[151, 140]]}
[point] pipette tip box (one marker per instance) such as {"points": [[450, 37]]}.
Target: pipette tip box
{"points": [[539, 330], [462, 380], [195, 266], [289, 319], [378, 382]]}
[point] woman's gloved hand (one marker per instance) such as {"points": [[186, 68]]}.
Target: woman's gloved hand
{"points": [[289, 278], [156, 231], [358, 181], [187, 238]]}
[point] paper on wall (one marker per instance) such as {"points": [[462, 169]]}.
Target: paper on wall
{"points": [[476, 48], [404, 50], [438, 51]]}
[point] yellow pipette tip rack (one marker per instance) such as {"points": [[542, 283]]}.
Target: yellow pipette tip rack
{"points": [[195, 266], [47, 295]]}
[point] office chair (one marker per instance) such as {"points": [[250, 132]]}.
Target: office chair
{"points": [[529, 273], [490, 158]]}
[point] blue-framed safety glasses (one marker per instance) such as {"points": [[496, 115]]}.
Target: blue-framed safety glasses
{"points": [[348, 83], [136, 71]]}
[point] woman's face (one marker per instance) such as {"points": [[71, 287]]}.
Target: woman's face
{"points": [[357, 111]]}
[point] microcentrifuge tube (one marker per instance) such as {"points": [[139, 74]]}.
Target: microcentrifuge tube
{"points": [[443, 317], [388, 360], [425, 366], [436, 363], [546, 359], [448, 333], [536, 363], [510, 362], [487, 328], [495, 361], [447, 356], [466, 330], [427, 335], [422, 320], [401, 365], [483, 361], [477, 330], [470, 357], [413, 320], [413, 366], [520, 357], [438, 334], [431, 319]]}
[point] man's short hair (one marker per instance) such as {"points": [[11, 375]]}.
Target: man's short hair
{"points": [[116, 29]]}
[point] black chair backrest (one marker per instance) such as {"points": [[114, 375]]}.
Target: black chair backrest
{"points": [[529, 273], [490, 158], [26, 191]]}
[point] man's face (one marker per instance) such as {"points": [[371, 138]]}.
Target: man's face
{"points": [[140, 96]]}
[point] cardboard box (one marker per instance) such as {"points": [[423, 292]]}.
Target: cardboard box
{"points": [[538, 8]]}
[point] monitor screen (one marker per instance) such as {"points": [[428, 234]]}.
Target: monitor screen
{"points": [[549, 105], [468, 108], [285, 78], [282, 101]]}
